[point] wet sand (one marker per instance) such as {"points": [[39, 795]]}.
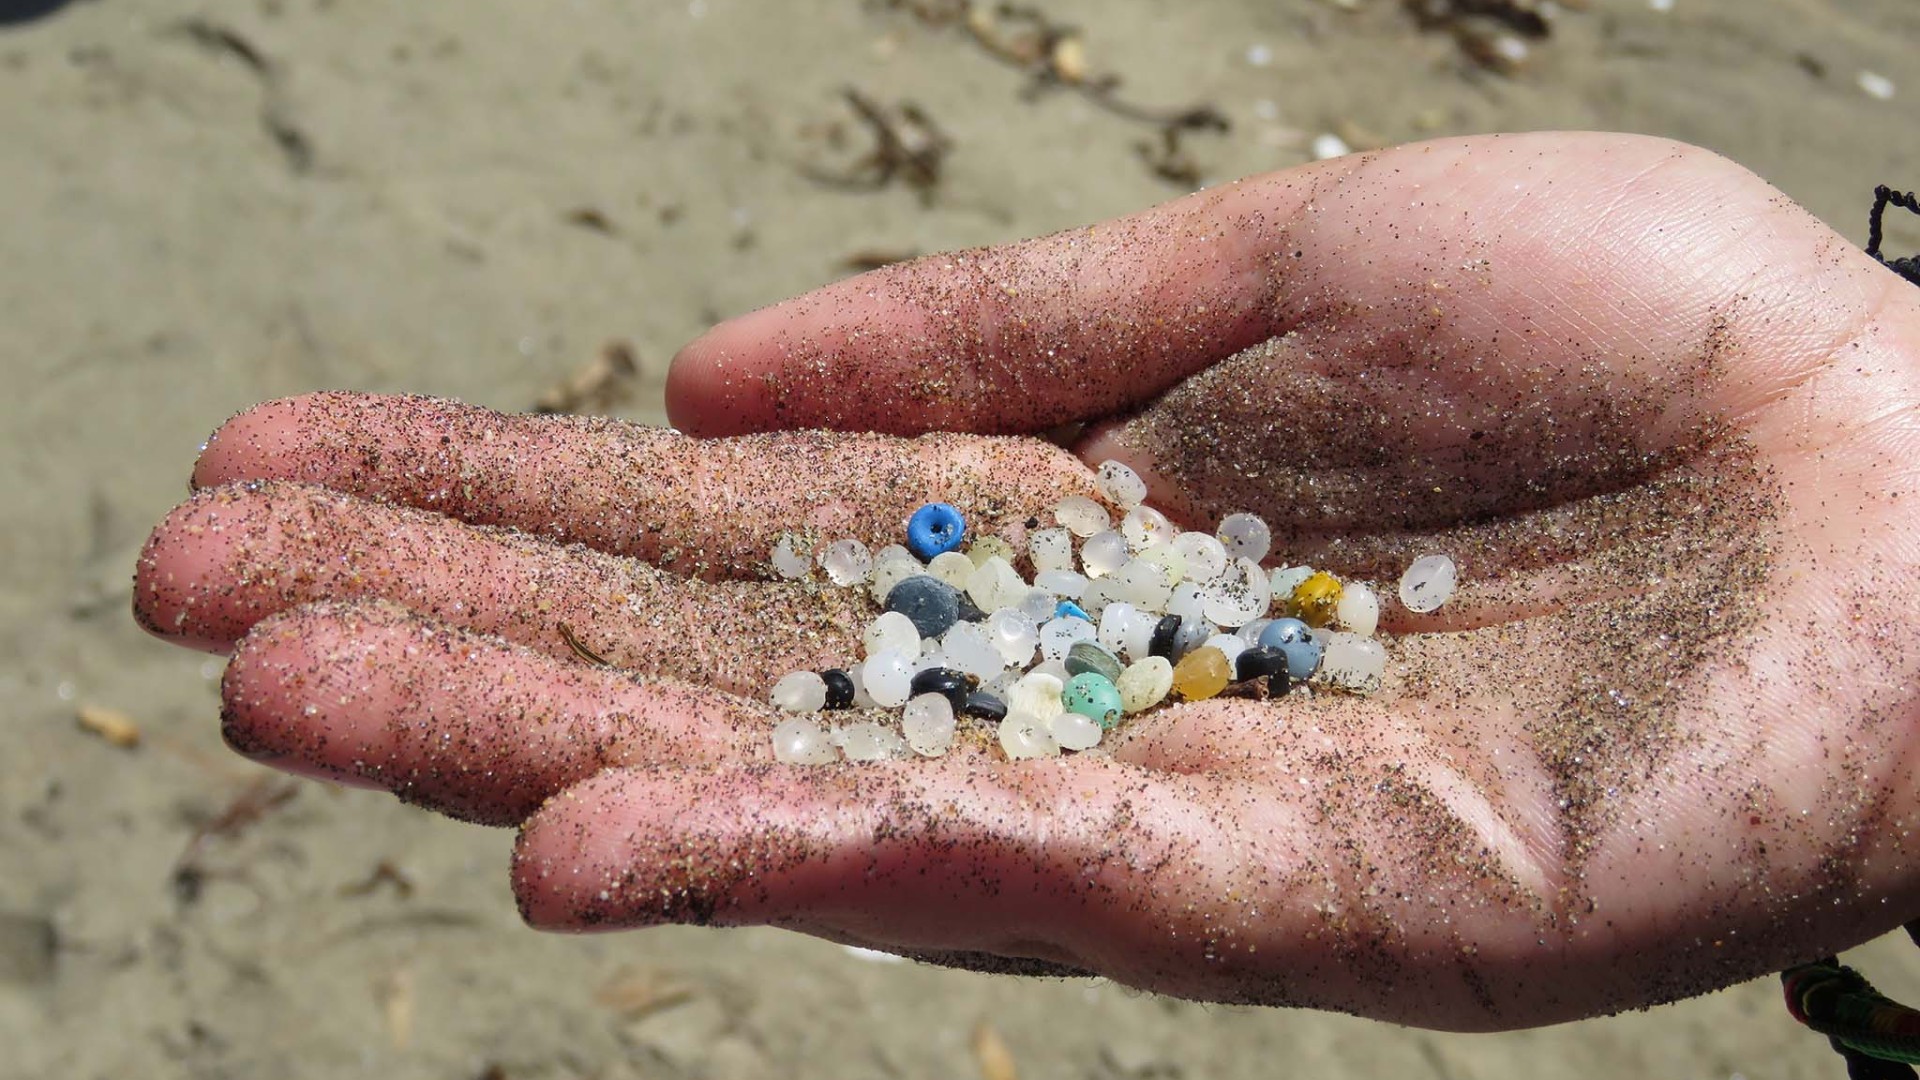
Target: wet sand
{"points": [[470, 200]]}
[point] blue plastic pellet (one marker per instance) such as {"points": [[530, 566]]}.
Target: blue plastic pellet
{"points": [[932, 604], [1068, 607], [1303, 657], [935, 529], [1281, 632]]}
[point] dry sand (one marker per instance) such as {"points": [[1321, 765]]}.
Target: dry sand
{"points": [[468, 199]]}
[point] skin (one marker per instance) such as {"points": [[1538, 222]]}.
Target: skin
{"points": [[1660, 741]]}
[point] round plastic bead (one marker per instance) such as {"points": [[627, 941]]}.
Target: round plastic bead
{"points": [[1259, 662], [989, 547], [892, 630], [1145, 528], [1074, 731], [1358, 610], [839, 689], [1145, 683], [1014, 635], [984, 706], [1353, 662], [1025, 737], [847, 562], [1104, 553], [1062, 583], [1085, 656], [1201, 674], [1428, 583], [1237, 596], [800, 691], [1314, 599], [927, 722], [1037, 694], [1206, 556], [1051, 549], [1094, 696], [1059, 634], [888, 678], [1230, 645], [790, 558], [1082, 516], [1120, 484], [951, 567], [1245, 536], [1303, 657], [934, 529], [932, 604], [800, 741], [868, 741]]}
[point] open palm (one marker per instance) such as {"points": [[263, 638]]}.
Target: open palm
{"points": [[1659, 742]]}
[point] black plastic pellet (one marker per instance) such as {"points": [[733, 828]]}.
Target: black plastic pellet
{"points": [[985, 706], [1278, 684], [948, 683], [932, 604], [1258, 662], [1164, 633], [839, 688]]}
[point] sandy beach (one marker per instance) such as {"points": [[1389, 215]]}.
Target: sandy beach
{"points": [[211, 205]]}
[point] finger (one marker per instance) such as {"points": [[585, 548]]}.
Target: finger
{"points": [[231, 556], [1551, 264], [373, 695], [713, 508], [1017, 859]]}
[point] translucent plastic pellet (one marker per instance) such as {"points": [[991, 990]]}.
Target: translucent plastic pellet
{"points": [[927, 722], [952, 568], [1201, 674], [847, 562], [1074, 731], [1115, 623], [894, 551], [1206, 556], [1185, 601], [1014, 634], [1250, 632], [1023, 737], [1038, 605], [1036, 694], [1237, 596], [1358, 610], [1146, 585], [800, 691], [791, 557], [1428, 583], [1145, 683], [969, 648], [1245, 536], [868, 741], [861, 699], [1174, 563], [1120, 484], [1082, 516], [800, 741], [888, 676], [1064, 584], [890, 572], [1103, 553], [1353, 662], [1058, 635], [1051, 549], [1144, 527], [891, 630], [1055, 668], [989, 547]]}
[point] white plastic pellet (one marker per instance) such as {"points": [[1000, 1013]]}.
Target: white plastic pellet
{"points": [[1022, 736], [1014, 634], [847, 562], [1064, 584], [1058, 635], [1082, 516], [1103, 553], [800, 741], [1174, 563], [790, 558], [1145, 528], [890, 572], [1206, 556], [1038, 605], [1428, 583], [888, 676], [971, 649], [1185, 601], [1146, 585], [800, 691], [1121, 485], [1245, 536], [1051, 549], [1288, 578], [1358, 609], [1036, 694], [1145, 683], [1074, 731], [991, 582], [1115, 622], [1237, 596], [927, 722], [892, 630], [952, 568], [1230, 646], [868, 741]]}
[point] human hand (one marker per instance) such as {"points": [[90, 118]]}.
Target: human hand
{"points": [[1659, 742]]}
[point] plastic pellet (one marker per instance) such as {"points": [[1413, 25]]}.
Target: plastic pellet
{"points": [[1358, 610], [1164, 631], [1120, 484], [800, 691], [847, 562], [1050, 549], [1104, 553], [935, 528], [1230, 645], [892, 630], [1025, 737], [1280, 632], [868, 741], [985, 706], [791, 557], [932, 604], [1353, 663], [1145, 684], [1094, 696], [1428, 583], [928, 724], [1082, 516], [839, 689], [1245, 536], [1303, 657], [1059, 634], [1206, 556], [1259, 662], [1014, 634], [1061, 583], [1314, 599], [800, 741], [1237, 596], [1085, 656], [948, 683], [989, 547], [1201, 674], [1074, 731], [952, 568], [1145, 528], [1036, 694], [888, 678]]}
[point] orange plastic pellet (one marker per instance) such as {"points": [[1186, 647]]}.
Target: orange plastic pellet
{"points": [[1202, 674], [1314, 599]]}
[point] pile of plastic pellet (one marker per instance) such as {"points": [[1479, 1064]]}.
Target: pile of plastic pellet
{"points": [[1151, 615]]}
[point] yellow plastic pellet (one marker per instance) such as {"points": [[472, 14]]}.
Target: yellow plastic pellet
{"points": [[1314, 599], [1202, 674]]}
